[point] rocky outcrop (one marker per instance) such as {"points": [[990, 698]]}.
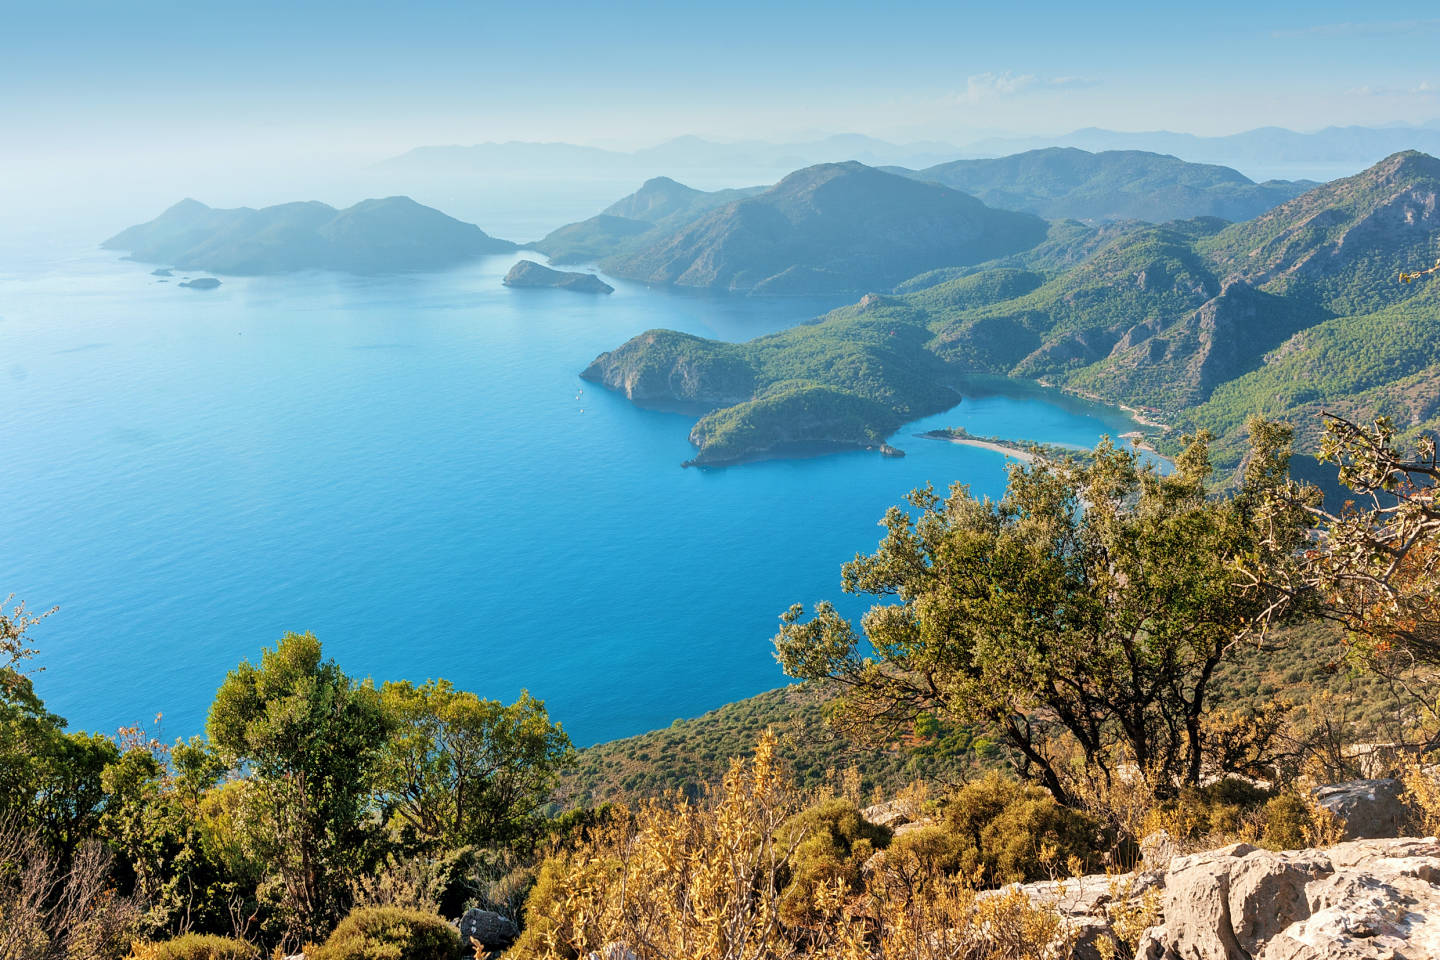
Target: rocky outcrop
{"points": [[891, 813], [1363, 899], [487, 928], [1360, 900], [528, 273], [1368, 808]]}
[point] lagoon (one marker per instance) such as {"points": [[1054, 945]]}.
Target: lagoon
{"points": [[411, 468]]}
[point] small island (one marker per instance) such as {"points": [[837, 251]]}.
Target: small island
{"points": [[528, 273], [201, 283]]}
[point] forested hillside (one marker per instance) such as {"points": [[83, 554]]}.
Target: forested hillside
{"points": [[1199, 322]]}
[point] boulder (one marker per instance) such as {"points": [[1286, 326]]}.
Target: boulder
{"points": [[1158, 849], [1370, 899], [487, 928], [1085, 937], [1368, 808], [891, 813]]}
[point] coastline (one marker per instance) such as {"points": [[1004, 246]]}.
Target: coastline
{"points": [[1016, 451]]}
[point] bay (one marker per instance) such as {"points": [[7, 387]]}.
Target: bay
{"points": [[411, 468]]}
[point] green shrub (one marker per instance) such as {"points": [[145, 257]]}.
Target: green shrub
{"points": [[1011, 831], [1216, 813], [832, 841], [1292, 823], [935, 849], [389, 933], [196, 946]]}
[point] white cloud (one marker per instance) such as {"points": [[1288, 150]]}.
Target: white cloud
{"points": [[1370, 28], [1421, 89], [980, 87]]}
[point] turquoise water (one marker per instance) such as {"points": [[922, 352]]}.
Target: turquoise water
{"points": [[411, 468]]}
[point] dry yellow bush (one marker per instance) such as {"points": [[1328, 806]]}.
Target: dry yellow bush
{"points": [[679, 880], [1422, 789]]}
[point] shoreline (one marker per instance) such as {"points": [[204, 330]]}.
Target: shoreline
{"points": [[1030, 453], [1015, 452]]}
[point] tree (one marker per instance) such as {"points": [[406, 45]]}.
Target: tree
{"points": [[460, 770], [14, 644], [1374, 565], [308, 736], [50, 779], [1087, 609]]}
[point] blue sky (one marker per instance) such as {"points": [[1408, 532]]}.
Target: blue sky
{"points": [[382, 75], [134, 104]]}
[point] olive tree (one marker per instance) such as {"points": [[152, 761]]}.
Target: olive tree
{"points": [[308, 738], [458, 770], [1086, 611]]}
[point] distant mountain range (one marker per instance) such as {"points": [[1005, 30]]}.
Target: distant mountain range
{"points": [[681, 154], [373, 236], [1262, 148], [845, 227], [830, 228], [1200, 322], [1065, 182], [1274, 151]]}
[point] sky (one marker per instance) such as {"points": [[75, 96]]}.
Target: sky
{"points": [[268, 86]]}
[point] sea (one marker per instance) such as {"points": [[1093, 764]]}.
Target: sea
{"points": [[411, 468]]}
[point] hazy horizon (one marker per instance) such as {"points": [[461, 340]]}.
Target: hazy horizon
{"points": [[136, 106]]}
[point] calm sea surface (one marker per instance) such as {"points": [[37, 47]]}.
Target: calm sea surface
{"points": [[411, 468]]}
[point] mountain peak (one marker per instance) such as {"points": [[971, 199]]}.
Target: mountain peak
{"points": [[188, 205], [1405, 165]]}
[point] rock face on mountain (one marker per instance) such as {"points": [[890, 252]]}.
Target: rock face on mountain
{"points": [[839, 227], [1337, 243], [528, 273], [1062, 182], [373, 236]]}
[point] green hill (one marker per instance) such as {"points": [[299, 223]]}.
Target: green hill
{"points": [[660, 205], [373, 236], [1306, 667], [1198, 321], [1063, 182], [832, 228]]}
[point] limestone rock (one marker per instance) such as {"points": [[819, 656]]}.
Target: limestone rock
{"points": [[891, 813], [1158, 849], [487, 928], [1369, 808], [1363, 900]]}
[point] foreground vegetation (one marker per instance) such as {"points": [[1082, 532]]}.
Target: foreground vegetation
{"points": [[1103, 653]]}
